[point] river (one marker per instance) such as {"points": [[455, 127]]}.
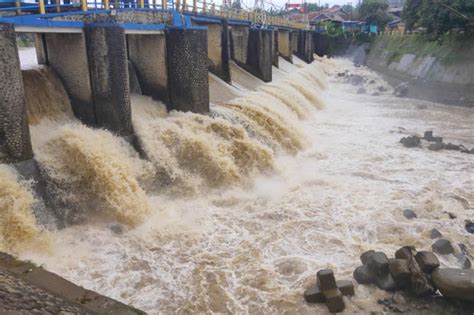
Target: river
{"points": [[251, 242]]}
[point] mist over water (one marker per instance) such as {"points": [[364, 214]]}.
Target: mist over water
{"points": [[236, 211]]}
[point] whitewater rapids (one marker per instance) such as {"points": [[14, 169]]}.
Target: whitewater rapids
{"points": [[316, 189]]}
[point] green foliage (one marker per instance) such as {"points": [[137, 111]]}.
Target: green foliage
{"points": [[348, 8], [312, 7], [410, 13], [438, 16], [374, 11]]}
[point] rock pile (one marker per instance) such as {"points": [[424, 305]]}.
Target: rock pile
{"points": [[416, 272], [434, 143], [329, 291]]}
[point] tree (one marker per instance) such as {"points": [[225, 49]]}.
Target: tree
{"points": [[374, 11], [410, 13], [438, 16]]}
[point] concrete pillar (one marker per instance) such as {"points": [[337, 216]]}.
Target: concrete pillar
{"points": [[260, 53], [41, 51], [295, 38], [275, 49], [147, 53], [321, 44], [305, 46], [188, 83], [15, 142], [285, 45], [107, 55], [67, 55]]}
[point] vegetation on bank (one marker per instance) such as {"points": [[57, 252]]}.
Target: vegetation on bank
{"points": [[448, 49]]}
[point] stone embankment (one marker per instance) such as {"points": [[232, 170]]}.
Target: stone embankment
{"points": [[28, 289]]}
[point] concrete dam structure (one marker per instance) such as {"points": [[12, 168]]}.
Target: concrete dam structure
{"points": [[168, 52], [186, 160]]}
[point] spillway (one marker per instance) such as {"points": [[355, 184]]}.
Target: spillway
{"points": [[234, 211]]}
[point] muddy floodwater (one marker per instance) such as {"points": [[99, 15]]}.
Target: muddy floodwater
{"points": [[336, 190]]}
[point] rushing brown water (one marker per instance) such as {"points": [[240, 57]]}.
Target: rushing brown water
{"points": [[235, 213]]}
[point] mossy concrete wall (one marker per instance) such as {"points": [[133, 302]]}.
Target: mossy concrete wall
{"points": [[260, 54], [305, 46], [440, 71]]}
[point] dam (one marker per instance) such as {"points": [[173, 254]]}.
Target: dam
{"points": [[184, 159]]}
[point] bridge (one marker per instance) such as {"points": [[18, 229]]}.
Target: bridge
{"points": [[170, 45]]}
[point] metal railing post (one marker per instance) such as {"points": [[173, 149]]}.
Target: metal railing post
{"points": [[195, 6], [164, 4], [213, 9], [184, 6], [18, 7], [84, 5], [42, 10], [204, 5], [106, 4], [142, 4]]}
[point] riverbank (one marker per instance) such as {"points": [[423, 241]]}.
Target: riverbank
{"points": [[439, 71], [28, 289]]}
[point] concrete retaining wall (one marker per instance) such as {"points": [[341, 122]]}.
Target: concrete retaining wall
{"points": [[305, 46], [441, 73], [240, 40], [15, 143]]}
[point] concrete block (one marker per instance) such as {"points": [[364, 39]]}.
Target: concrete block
{"points": [[188, 84], [314, 295], [15, 142], [326, 280], [346, 287], [334, 300], [108, 67], [427, 261]]}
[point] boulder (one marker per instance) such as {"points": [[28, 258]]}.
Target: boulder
{"points": [[375, 94], [427, 261], [356, 80], [434, 233], [401, 89], [346, 287], [341, 74], [326, 280], [450, 146], [405, 252], [419, 282], [410, 142], [364, 258], [400, 271], [455, 283], [436, 146], [361, 91], [363, 275], [314, 295], [372, 81], [468, 151], [378, 263], [443, 247], [469, 226], [387, 283], [409, 214], [381, 88], [452, 216]]}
